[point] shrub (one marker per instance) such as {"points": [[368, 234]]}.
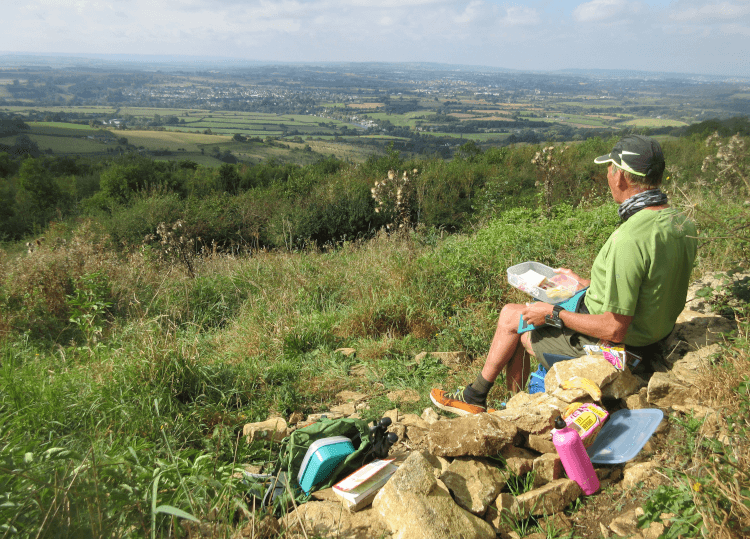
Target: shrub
{"points": [[128, 226]]}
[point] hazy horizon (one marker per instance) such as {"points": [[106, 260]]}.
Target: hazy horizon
{"points": [[683, 36]]}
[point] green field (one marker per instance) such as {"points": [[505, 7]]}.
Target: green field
{"points": [[84, 110], [402, 120], [171, 140], [64, 125], [655, 122], [483, 137]]}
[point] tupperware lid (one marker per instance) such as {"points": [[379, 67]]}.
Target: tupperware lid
{"points": [[624, 435]]}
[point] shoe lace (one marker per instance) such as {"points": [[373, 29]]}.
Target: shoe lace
{"points": [[458, 394]]}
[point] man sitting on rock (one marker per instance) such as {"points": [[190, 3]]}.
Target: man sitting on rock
{"points": [[638, 285]]}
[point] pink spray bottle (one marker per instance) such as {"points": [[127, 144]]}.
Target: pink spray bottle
{"points": [[574, 458]]}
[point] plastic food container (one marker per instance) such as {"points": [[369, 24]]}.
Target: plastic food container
{"points": [[541, 282], [321, 459], [624, 435]]}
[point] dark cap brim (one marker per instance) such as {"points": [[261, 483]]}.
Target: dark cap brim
{"points": [[607, 158]]}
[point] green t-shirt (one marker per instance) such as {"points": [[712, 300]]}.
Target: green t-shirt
{"points": [[643, 271]]}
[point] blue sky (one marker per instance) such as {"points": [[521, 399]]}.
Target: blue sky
{"points": [[694, 36]]}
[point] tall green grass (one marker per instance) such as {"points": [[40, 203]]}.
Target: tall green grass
{"points": [[125, 382]]}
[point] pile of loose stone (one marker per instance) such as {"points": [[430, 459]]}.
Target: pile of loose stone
{"points": [[450, 483]]}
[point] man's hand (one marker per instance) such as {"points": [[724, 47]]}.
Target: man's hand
{"points": [[535, 312], [582, 283]]}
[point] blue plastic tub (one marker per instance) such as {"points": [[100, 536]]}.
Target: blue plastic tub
{"points": [[322, 457]]}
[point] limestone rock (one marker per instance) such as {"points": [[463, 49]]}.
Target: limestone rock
{"points": [[644, 472], [325, 495], [664, 390], [655, 530], [417, 436], [701, 329], [689, 368], [345, 409], [571, 395], [530, 419], [541, 443], [430, 415], [504, 502], [624, 385], [523, 399], [350, 396], [551, 498], [439, 464], [697, 410], [414, 420], [625, 525], [393, 415], [474, 483], [415, 508], [547, 468], [399, 430], [403, 395], [518, 460], [359, 370], [330, 520], [274, 429], [595, 368], [638, 401], [499, 520], [295, 418], [478, 435]]}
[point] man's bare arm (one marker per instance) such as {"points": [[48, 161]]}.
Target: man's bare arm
{"points": [[582, 283], [607, 326]]}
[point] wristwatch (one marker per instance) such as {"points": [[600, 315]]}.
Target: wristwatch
{"points": [[554, 318]]}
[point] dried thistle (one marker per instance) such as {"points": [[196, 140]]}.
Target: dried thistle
{"points": [[547, 162], [394, 197], [173, 246], [729, 162]]}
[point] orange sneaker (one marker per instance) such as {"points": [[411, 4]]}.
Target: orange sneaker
{"points": [[454, 402]]}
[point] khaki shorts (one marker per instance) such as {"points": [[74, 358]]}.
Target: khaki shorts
{"points": [[562, 342]]}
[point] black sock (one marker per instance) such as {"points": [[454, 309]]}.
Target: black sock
{"points": [[476, 392], [481, 386]]}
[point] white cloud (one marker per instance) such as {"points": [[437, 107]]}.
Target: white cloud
{"points": [[520, 16], [599, 10], [734, 29], [710, 12]]}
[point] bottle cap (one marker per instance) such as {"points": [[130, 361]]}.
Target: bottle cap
{"points": [[560, 423]]}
